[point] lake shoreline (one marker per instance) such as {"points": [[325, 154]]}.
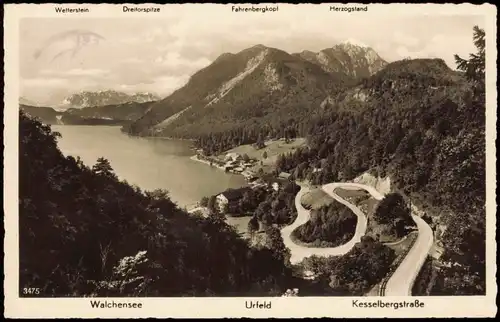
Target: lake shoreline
{"points": [[159, 137], [88, 125], [195, 158], [164, 138], [149, 164]]}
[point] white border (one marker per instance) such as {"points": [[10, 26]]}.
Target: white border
{"points": [[465, 306]]}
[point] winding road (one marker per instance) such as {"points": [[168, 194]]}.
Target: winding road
{"points": [[401, 281]]}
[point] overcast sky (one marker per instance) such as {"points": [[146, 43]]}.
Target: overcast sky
{"points": [[159, 55]]}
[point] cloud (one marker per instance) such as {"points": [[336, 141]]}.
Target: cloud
{"points": [[173, 60], [161, 54], [151, 35], [154, 34], [75, 72], [163, 85], [44, 82], [405, 39], [356, 42], [132, 60], [403, 52], [439, 47]]}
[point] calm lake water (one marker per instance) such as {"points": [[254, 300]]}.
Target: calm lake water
{"points": [[149, 163]]}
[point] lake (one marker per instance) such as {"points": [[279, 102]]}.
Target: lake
{"points": [[149, 163]]}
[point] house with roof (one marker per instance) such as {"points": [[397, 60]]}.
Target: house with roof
{"points": [[284, 175], [249, 175], [273, 182], [228, 201], [232, 157], [238, 169], [201, 211]]}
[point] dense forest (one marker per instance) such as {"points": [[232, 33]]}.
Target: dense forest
{"points": [[329, 226], [129, 111], [266, 206], [99, 236], [71, 119], [358, 271], [391, 218], [278, 208], [47, 115]]}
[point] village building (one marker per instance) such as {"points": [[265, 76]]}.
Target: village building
{"points": [[202, 211], [309, 275], [232, 157], [249, 175], [276, 183], [228, 201], [255, 184], [284, 175]]}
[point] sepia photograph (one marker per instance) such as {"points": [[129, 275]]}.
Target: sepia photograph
{"points": [[166, 153]]}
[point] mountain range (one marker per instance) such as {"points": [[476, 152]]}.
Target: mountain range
{"points": [[103, 98], [91, 99], [117, 114], [346, 58], [257, 85], [261, 87]]}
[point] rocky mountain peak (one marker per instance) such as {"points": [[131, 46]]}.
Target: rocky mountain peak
{"points": [[350, 57], [106, 97]]}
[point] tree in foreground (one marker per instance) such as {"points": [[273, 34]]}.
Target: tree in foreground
{"points": [[103, 167], [204, 201], [99, 236], [474, 67], [253, 225]]}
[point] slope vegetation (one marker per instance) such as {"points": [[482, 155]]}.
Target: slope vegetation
{"points": [[100, 236], [256, 86], [423, 125], [95, 115]]}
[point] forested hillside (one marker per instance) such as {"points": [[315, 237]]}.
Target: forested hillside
{"points": [[118, 114], [46, 114], [84, 232], [423, 125], [356, 272], [246, 91], [129, 111], [329, 226]]}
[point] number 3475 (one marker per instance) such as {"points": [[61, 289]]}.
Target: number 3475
{"points": [[31, 291]]}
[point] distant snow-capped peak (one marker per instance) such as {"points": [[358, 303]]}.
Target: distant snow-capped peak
{"points": [[106, 97], [354, 42]]}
